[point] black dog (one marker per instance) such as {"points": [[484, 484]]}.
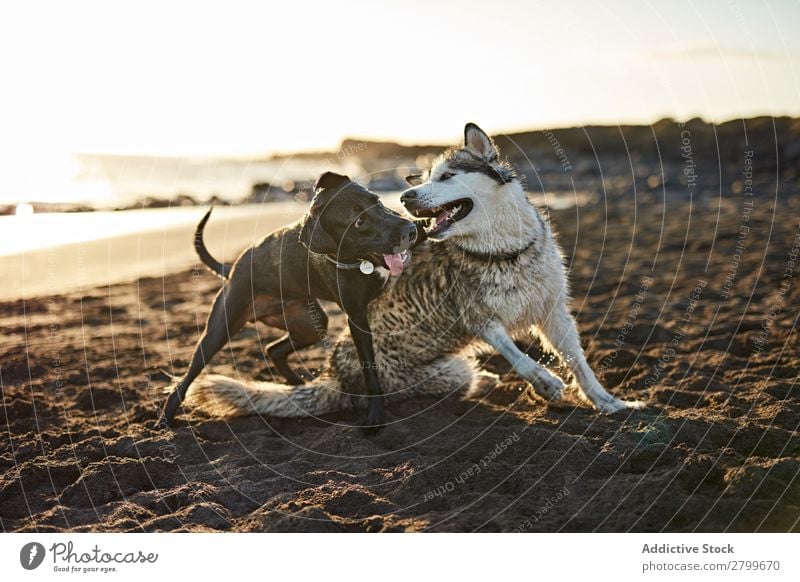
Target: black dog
{"points": [[343, 250]]}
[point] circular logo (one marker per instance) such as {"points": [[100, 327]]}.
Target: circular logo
{"points": [[31, 555]]}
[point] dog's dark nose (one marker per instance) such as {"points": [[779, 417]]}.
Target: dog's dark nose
{"points": [[408, 196]]}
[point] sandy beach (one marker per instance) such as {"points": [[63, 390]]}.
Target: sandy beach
{"points": [[677, 304]]}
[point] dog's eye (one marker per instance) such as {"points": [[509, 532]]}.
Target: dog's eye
{"points": [[360, 222], [446, 176]]}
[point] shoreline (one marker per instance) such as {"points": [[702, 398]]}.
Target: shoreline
{"points": [[107, 247]]}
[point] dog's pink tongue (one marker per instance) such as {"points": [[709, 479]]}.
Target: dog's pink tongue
{"points": [[441, 217], [395, 263]]}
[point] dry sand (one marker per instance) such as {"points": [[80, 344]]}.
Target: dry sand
{"points": [[716, 450]]}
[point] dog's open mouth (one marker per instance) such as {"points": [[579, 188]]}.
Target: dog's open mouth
{"points": [[446, 215], [395, 262]]}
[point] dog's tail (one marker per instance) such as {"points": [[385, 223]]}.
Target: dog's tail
{"points": [[223, 396], [221, 269]]}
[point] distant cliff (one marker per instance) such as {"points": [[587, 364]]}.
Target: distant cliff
{"points": [[665, 138]]}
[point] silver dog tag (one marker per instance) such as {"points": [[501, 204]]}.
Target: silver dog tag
{"points": [[366, 267]]}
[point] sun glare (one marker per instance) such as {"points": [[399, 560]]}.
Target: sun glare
{"points": [[24, 209], [341, 77]]}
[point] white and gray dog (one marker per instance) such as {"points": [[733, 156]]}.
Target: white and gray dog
{"points": [[490, 271]]}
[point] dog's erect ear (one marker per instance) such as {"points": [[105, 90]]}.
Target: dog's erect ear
{"points": [[479, 143], [315, 238], [331, 180], [414, 179]]}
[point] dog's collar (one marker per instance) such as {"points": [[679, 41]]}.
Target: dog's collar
{"points": [[364, 266], [497, 256]]}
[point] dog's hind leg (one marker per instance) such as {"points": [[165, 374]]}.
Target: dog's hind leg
{"points": [[306, 323], [230, 312], [447, 376], [400, 379], [443, 377], [559, 333]]}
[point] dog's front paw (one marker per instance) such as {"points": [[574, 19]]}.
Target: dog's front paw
{"points": [[613, 405], [162, 423], [483, 383], [548, 386], [544, 383], [166, 419], [376, 416]]}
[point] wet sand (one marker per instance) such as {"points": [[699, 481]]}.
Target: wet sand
{"points": [[664, 314]]}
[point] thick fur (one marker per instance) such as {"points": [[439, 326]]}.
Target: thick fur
{"points": [[493, 275]]}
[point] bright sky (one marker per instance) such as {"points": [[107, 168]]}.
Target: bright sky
{"points": [[239, 79]]}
